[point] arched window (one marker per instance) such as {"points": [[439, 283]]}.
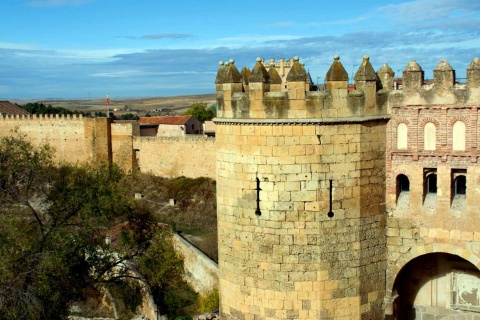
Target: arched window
{"points": [[429, 138], [459, 189], [403, 194], [432, 183], [402, 132], [430, 188], [460, 185], [458, 136], [403, 184]]}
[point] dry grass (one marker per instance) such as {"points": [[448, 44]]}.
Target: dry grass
{"points": [[195, 212], [141, 106]]}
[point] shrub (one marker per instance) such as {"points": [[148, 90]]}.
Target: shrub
{"points": [[209, 301]]}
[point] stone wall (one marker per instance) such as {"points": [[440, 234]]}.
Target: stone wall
{"points": [[201, 271], [123, 153], [75, 139], [294, 261], [80, 140], [172, 157]]}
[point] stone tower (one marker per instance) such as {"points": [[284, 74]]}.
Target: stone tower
{"points": [[301, 194]]}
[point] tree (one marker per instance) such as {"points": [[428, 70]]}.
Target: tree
{"points": [[54, 227], [200, 111], [128, 116], [162, 268], [40, 108]]}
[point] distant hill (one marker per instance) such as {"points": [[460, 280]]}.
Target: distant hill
{"points": [[140, 106]]}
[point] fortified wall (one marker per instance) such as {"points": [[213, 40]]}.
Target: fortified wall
{"points": [[78, 139], [301, 194], [348, 204]]}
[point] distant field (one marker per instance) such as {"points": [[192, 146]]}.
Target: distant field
{"points": [[141, 106]]}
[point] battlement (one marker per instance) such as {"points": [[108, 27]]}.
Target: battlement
{"points": [[264, 94], [46, 117]]}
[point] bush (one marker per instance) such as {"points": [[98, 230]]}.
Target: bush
{"points": [[209, 301]]}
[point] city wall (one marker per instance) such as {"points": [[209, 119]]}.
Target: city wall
{"points": [[176, 156], [81, 140], [75, 139]]}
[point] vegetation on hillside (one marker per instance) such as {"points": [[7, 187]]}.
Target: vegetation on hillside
{"points": [[69, 233], [200, 111], [40, 108], [195, 211]]}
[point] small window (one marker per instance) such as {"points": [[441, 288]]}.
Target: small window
{"points": [[403, 183], [459, 189], [458, 136], [430, 136], [403, 192], [432, 183], [430, 188], [402, 134], [460, 185]]}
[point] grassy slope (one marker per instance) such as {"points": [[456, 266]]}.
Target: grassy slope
{"points": [[177, 104]]}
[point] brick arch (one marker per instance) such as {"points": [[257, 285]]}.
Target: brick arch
{"points": [[426, 120], [404, 259], [455, 118], [397, 173], [397, 121]]}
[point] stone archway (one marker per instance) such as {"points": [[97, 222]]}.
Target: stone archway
{"points": [[435, 284]]}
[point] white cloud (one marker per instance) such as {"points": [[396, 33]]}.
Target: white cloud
{"points": [[15, 46], [433, 14]]}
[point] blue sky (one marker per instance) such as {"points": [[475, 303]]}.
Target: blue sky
{"points": [[82, 48]]}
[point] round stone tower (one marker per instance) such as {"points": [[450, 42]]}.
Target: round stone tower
{"points": [[300, 195]]}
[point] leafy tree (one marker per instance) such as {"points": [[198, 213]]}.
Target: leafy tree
{"points": [[200, 111], [40, 108], [128, 116], [162, 268], [54, 227]]}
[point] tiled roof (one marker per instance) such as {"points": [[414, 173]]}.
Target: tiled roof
{"points": [[6, 107], [176, 120]]}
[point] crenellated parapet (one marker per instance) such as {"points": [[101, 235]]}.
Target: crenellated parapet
{"points": [[443, 90], [262, 93], [39, 117]]}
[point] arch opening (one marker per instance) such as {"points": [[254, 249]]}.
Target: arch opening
{"points": [[403, 191], [435, 285], [430, 188]]}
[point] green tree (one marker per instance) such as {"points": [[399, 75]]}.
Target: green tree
{"points": [[128, 116], [40, 108], [162, 268], [200, 111], [54, 227]]}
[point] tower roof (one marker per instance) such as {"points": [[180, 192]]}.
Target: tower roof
{"points": [[386, 69], [259, 73], [337, 71], [232, 74], [365, 71], [443, 66], [413, 66], [297, 72]]}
